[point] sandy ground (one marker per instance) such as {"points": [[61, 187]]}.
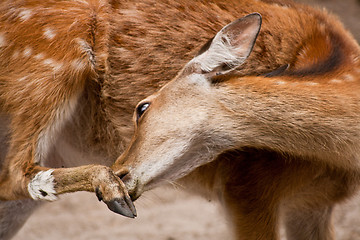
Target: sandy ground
{"points": [[166, 214], [163, 214]]}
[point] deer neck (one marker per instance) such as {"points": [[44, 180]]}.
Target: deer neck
{"points": [[308, 117]]}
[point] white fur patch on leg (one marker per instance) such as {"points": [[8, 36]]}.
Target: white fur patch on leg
{"points": [[42, 186]]}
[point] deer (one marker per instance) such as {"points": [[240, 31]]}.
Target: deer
{"points": [[282, 146], [73, 71]]}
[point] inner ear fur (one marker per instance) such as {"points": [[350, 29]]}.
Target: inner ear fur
{"points": [[230, 47]]}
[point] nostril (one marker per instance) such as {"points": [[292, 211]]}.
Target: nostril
{"points": [[123, 176], [126, 177], [122, 173]]}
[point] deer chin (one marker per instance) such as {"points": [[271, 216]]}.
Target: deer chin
{"points": [[136, 184], [144, 177]]}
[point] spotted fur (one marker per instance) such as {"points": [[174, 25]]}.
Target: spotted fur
{"points": [[73, 71]]}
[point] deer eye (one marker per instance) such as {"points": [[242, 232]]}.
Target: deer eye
{"points": [[140, 109]]}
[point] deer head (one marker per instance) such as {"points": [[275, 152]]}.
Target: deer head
{"points": [[179, 128]]}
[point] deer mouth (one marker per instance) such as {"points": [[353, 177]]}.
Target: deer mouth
{"points": [[132, 185]]}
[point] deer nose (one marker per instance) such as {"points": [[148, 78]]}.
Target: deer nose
{"points": [[127, 178]]}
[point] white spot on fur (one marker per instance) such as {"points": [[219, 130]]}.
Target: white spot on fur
{"points": [[49, 33], [311, 83], [42, 186], [348, 78], [78, 64], [2, 40], [16, 54], [27, 52], [49, 61], [130, 13], [280, 83], [54, 64], [337, 81], [281, 6], [22, 78], [82, 1], [39, 56], [25, 14], [48, 136]]}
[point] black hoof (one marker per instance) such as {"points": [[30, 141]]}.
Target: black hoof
{"points": [[122, 206]]}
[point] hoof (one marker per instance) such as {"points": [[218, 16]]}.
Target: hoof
{"points": [[123, 207]]}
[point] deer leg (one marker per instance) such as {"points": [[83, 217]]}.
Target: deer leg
{"points": [[99, 179], [33, 134], [29, 180], [13, 215], [308, 213], [309, 224], [252, 219]]}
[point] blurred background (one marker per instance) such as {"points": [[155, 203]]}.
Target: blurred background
{"points": [[166, 213], [347, 10]]}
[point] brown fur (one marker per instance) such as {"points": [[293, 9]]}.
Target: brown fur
{"points": [[103, 57]]}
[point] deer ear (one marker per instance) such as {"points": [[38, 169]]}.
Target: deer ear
{"points": [[230, 47]]}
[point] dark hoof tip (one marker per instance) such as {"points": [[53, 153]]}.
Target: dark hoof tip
{"points": [[123, 207]]}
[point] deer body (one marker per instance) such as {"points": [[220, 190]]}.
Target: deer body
{"points": [[73, 71], [302, 119]]}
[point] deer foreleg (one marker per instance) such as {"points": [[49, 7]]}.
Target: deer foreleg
{"points": [[40, 183]]}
